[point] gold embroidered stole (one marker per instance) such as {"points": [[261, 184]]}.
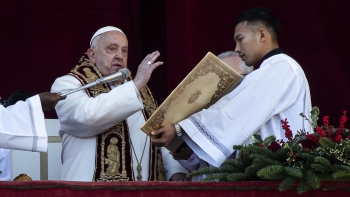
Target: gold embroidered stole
{"points": [[113, 159]]}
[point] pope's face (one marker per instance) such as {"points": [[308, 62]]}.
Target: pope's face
{"points": [[247, 43], [111, 53], [234, 62]]}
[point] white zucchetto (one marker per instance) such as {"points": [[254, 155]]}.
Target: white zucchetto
{"points": [[103, 30]]}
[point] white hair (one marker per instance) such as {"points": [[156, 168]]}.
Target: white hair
{"points": [[245, 69]]}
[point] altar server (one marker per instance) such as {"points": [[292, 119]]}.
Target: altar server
{"points": [[276, 90], [22, 127]]}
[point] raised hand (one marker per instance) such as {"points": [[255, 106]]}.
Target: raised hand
{"points": [[145, 69]]}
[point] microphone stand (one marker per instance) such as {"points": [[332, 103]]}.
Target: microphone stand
{"points": [[121, 74]]}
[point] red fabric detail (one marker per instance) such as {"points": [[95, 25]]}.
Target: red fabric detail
{"points": [[161, 189]]}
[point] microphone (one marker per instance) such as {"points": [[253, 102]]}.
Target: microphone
{"points": [[121, 74]]}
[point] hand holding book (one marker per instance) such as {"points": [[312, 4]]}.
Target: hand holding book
{"points": [[203, 86]]}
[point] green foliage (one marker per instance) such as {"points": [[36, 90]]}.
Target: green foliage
{"points": [[291, 164], [323, 161], [314, 116], [294, 172], [238, 177], [342, 167], [303, 187], [327, 143], [341, 174], [270, 170], [220, 177], [339, 151], [312, 179], [287, 183]]}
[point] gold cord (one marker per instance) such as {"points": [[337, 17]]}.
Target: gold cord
{"points": [[139, 167]]}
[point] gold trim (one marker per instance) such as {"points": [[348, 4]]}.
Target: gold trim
{"points": [[44, 168], [229, 79], [54, 139]]}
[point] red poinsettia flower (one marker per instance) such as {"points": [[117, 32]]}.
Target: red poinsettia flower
{"points": [[307, 144], [274, 146]]}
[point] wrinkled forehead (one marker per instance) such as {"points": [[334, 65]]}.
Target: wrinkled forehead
{"points": [[232, 59], [113, 37]]}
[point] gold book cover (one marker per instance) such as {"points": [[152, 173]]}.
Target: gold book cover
{"points": [[210, 80]]}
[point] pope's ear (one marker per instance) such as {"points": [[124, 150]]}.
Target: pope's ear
{"points": [[91, 54]]}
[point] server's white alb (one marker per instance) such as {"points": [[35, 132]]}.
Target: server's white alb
{"points": [[22, 126], [275, 91]]}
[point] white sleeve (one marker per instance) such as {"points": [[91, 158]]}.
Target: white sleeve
{"points": [[5, 164], [82, 116], [211, 133], [23, 126], [171, 166]]}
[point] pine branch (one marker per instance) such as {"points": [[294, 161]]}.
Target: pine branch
{"points": [[312, 179], [287, 183], [319, 168], [215, 177], [309, 159], [341, 174], [212, 170], [308, 156], [303, 187], [327, 143], [239, 177], [323, 161], [280, 176], [281, 154], [237, 147], [235, 163], [251, 171], [261, 150], [264, 161], [293, 172], [270, 171], [342, 168]]}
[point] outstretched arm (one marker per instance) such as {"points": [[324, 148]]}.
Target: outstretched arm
{"points": [[49, 100]]}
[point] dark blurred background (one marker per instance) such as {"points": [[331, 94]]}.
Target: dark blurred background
{"points": [[42, 40]]}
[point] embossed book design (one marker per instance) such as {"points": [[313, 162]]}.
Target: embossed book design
{"points": [[210, 80]]}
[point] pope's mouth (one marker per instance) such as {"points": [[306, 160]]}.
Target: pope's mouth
{"points": [[117, 65]]}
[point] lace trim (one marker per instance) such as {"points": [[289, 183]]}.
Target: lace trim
{"points": [[210, 136], [32, 121]]}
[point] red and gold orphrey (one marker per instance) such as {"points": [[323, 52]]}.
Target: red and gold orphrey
{"points": [[113, 158]]}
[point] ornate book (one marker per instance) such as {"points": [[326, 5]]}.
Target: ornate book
{"points": [[210, 80]]}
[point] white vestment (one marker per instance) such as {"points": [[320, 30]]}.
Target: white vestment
{"points": [[5, 164], [82, 118], [22, 126], [275, 91]]}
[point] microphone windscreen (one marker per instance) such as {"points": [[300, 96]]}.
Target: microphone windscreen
{"points": [[125, 72]]}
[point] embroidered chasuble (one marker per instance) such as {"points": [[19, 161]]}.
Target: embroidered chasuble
{"points": [[113, 158]]}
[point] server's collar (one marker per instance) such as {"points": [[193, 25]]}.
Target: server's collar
{"points": [[268, 55]]}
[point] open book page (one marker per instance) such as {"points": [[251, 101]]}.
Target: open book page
{"points": [[210, 80]]}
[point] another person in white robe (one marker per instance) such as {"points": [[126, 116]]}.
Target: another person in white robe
{"points": [[88, 117], [276, 90], [192, 163], [22, 127]]}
